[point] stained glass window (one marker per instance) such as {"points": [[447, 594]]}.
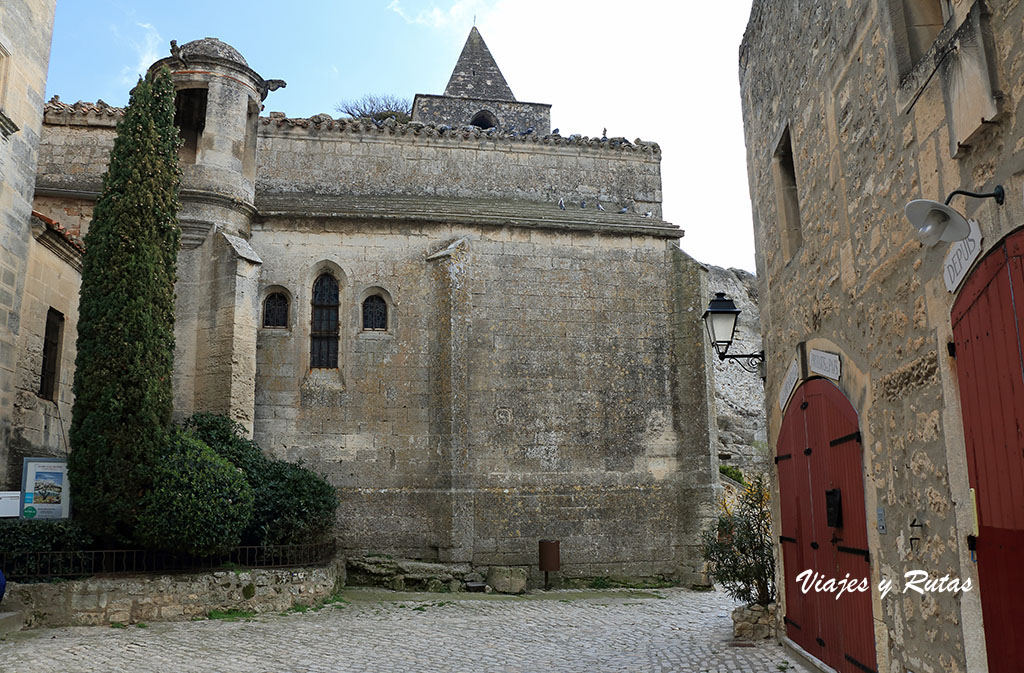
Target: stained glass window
{"points": [[375, 313], [323, 352], [275, 310]]}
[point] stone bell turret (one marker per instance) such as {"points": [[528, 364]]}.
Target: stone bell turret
{"points": [[217, 105]]}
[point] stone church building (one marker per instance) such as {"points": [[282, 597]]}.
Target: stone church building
{"points": [[436, 315], [895, 392]]}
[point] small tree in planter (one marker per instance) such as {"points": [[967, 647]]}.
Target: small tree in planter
{"points": [[738, 548]]}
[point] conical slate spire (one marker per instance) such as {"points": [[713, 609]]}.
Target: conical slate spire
{"points": [[476, 75]]}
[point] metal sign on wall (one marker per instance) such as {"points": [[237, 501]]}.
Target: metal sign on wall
{"points": [[788, 384], [824, 363], [961, 256]]}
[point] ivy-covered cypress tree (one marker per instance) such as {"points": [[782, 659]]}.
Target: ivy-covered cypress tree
{"points": [[122, 386]]}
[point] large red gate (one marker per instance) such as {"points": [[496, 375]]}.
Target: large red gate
{"points": [[987, 325], [824, 527]]}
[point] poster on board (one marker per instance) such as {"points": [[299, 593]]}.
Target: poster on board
{"points": [[44, 489]]}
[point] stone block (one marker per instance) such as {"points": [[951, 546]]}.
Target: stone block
{"points": [[507, 580]]}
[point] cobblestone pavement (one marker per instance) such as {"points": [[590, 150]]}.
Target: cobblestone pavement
{"points": [[665, 630]]}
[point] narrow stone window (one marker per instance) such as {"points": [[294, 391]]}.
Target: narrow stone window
{"points": [[51, 355], [190, 118], [375, 313], [323, 353], [924, 20], [787, 198], [275, 310], [484, 119], [7, 126]]}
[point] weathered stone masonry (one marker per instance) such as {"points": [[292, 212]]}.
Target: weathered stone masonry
{"points": [[874, 120], [542, 371]]}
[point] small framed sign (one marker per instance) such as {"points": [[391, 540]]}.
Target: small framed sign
{"points": [[44, 489]]}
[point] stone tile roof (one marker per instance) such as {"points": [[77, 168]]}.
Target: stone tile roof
{"points": [[476, 74], [55, 104], [54, 226], [322, 122]]}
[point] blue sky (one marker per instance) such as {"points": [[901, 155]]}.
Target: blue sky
{"points": [[651, 69]]}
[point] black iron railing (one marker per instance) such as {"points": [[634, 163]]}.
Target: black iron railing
{"points": [[21, 566]]}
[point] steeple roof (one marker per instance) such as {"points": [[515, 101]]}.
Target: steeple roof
{"points": [[476, 75]]}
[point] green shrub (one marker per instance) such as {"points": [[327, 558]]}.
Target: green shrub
{"points": [[20, 539], [125, 345], [738, 548], [21, 535], [732, 472], [293, 505], [199, 504]]}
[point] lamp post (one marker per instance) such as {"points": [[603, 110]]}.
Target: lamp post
{"points": [[720, 320]]}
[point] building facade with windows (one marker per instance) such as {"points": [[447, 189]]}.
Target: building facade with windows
{"points": [[894, 388], [40, 262], [435, 315]]}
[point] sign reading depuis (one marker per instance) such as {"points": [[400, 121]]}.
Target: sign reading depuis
{"points": [[960, 257], [788, 384], [824, 363]]}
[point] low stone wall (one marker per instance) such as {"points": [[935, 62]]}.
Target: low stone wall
{"points": [[153, 598], [753, 622]]}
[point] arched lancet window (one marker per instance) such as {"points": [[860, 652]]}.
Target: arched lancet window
{"points": [[375, 313], [323, 347], [275, 310], [484, 119]]}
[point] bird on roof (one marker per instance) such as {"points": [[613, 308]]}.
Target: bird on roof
{"points": [[600, 207], [604, 134], [561, 203], [555, 132], [648, 214], [583, 204], [624, 210]]}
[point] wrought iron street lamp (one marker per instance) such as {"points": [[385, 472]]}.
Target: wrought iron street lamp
{"points": [[720, 320]]}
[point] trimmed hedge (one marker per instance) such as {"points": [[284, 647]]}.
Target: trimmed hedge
{"points": [[199, 504], [293, 505], [20, 539], [21, 535]]}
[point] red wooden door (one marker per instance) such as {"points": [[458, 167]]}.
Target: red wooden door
{"points": [[987, 324], [819, 451]]}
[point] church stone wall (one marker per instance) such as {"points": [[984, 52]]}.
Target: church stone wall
{"points": [[345, 157], [531, 385], [358, 158], [870, 132], [40, 426]]}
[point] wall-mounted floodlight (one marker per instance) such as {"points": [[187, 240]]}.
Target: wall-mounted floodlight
{"points": [[936, 221]]}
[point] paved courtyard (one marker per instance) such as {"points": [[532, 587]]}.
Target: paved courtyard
{"points": [[665, 630]]}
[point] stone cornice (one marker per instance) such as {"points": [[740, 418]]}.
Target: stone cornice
{"points": [[470, 212]]}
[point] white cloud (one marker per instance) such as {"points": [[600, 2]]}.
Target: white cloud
{"points": [[455, 15], [147, 49]]}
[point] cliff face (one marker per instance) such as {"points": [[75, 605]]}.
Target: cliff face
{"points": [[739, 395]]}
